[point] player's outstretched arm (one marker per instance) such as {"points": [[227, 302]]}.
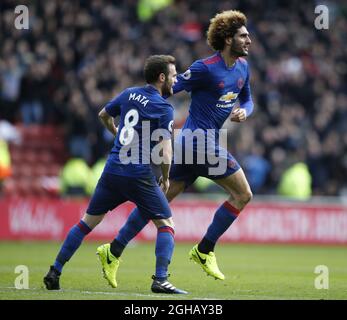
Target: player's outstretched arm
{"points": [[107, 121]]}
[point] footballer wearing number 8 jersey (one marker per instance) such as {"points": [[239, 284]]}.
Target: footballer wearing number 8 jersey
{"points": [[132, 180]]}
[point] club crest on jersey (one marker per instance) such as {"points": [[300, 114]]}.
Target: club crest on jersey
{"points": [[187, 74], [138, 97]]}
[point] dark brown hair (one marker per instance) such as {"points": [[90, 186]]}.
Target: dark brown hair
{"points": [[224, 25], [155, 65]]}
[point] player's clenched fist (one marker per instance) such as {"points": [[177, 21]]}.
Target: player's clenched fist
{"points": [[238, 115]]}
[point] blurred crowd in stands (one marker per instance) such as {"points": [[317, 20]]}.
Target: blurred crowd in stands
{"points": [[77, 55]]}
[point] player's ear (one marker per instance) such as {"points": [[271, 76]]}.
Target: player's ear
{"points": [[228, 41], [162, 77]]}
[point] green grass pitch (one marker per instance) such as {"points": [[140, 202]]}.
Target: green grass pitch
{"points": [[252, 272]]}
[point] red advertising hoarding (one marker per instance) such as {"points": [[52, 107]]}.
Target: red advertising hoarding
{"points": [[37, 219]]}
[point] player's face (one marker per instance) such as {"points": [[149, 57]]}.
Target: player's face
{"points": [[240, 43], [170, 81]]}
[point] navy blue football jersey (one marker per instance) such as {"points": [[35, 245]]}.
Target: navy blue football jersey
{"points": [[143, 111], [214, 89]]}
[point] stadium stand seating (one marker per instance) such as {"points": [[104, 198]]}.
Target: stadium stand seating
{"points": [[36, 162]]}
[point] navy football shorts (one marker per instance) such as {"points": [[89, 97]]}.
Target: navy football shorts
{"points": [[190, 172], [113, 190]]}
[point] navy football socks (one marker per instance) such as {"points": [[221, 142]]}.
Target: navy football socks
{"points": [[223, 218], [72, 242], [163, 251], [134, 224]]}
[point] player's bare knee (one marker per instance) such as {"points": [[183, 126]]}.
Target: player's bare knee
{"points": [[92, 220], [241, 200], [164, 223], [246, 197]]}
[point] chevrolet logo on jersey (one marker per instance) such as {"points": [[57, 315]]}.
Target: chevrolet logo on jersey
{"points": [[228, 97]]}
